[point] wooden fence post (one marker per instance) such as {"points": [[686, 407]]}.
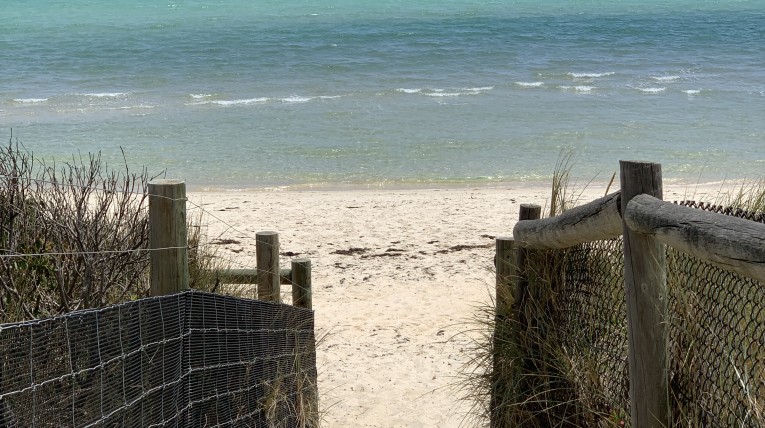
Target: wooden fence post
{"points": [[267, 254], [526, 212], [505, 262], [645, 282], [301, 284], [506, 273], [167, 230], [510, 319]]}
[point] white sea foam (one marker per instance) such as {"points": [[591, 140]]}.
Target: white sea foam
{"points": [[444, 94], [665, 78], [30, 100], [139, 106], [228, 103], [652, 90], [457, 92], [590, 75], [692, 91], [106, 94], [300, 99], [530, 84], [292, 99], [409, 91], [479, 89], [296, 99], [580, 88]]}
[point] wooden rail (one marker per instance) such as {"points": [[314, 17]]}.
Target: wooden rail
{"points": [[599, 219], [169, 253], [249, 276], [732, 243], [646, 224]]}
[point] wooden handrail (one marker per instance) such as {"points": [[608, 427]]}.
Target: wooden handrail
{"points": [[249, 276], [648, 223], [732, 243], [599, 219]]}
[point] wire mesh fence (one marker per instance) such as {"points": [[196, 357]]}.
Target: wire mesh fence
{"points": [[593, 320], [717, 339], [716, 333], [187, 359]]}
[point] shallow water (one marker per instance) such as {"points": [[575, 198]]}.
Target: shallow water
{"points": [[244, 94]]}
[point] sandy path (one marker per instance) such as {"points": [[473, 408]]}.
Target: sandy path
{"points": [[396, 275]]}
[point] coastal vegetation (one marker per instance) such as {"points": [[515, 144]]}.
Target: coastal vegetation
{"points": [[562, 360], [73, 235]]}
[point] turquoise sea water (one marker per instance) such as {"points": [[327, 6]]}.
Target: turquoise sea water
{"points": [[241, 93]]}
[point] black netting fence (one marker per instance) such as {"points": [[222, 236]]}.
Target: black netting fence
{"points": [[578, 329], [190, 359]]}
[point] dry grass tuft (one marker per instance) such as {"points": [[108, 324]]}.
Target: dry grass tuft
{"points": [[522, 374]]}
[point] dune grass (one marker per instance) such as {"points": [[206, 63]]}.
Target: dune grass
{"points": [[535, 364]]}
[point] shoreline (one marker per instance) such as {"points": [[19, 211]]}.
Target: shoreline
{"points": [[578, 186]]}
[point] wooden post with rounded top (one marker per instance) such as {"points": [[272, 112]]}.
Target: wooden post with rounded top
{"points": [[169, 262], [267, 255], [645, 282], [301, 283]]}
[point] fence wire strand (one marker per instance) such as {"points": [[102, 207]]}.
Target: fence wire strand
{"points": [[93, 255]]}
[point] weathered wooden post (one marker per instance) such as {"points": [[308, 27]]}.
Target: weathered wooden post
{"points": [[507, 270], [526, 212], [506, 273], [645, 282], [267, 255], [301, 283], [169, 262], [509, 318]]}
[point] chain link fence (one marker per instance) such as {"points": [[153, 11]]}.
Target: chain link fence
{"points": [[187, 359], [717, 339], [579, 328], [593, 320]]}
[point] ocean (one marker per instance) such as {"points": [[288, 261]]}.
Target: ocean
{"points": [[249, 94]]}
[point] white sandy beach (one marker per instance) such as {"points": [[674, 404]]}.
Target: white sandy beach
{"points": [[397, 275]]}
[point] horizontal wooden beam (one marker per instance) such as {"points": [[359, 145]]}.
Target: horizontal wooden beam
{"points": [[599, 219], [732, 243], [248, 276]]}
